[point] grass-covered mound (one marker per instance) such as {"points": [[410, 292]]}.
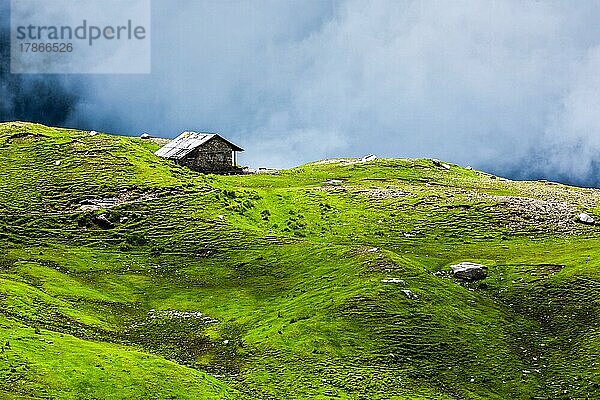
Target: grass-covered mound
{"points": [[123, 275]]}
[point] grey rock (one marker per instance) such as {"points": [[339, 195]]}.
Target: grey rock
{"points": [[409, 294], [585, 218], [468, 271], [103, 222], [370, 157], [438, 163]]}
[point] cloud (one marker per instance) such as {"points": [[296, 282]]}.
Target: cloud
{"points": [[32, 97], [506, 86], [572, 138]]}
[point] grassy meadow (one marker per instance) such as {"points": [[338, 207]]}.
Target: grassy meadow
{"points": [[126, 276]]}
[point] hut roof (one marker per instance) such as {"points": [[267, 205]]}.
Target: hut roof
{"points": [[187, 142]]}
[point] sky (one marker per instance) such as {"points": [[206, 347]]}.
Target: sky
{"points": [[510, 87]]}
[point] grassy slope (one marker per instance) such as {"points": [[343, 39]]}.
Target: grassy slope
{"points": [[286, 271]]}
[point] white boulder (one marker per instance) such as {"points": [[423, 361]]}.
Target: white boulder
{"points": [[585, 218]]}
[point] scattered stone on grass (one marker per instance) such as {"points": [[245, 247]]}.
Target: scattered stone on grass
{"points": [[382, 193], [125, 196], [522, 213], [175, 314], [393, 280], [409, 294], [97, 204]]}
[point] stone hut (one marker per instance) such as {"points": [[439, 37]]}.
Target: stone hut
{"points": [[202, 152]]}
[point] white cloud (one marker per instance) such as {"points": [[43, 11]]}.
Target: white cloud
{"points": [[572, 139], [492, 84]]}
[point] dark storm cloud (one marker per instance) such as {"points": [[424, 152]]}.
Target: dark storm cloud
{"points": [[50, 99]]}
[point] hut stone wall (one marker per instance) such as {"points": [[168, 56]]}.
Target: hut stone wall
{"points": [[216, 156]]}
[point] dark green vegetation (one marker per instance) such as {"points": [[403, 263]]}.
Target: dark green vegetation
{"points": [[125, 276]]}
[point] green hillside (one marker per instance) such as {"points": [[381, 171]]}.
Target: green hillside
{"points": [[125, 276]]}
